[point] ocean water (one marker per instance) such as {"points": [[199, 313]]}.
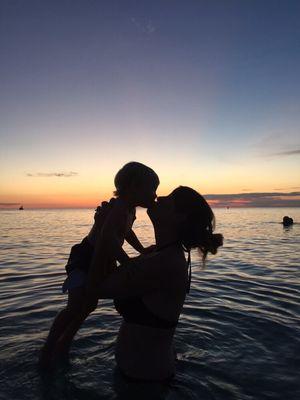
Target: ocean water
{"points": [[238, 336]]}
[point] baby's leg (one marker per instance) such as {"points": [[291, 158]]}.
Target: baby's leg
{"points": [[63, 319], [80, 312], [62, 345]]}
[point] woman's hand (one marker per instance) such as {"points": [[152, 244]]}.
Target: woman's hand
{"points": [[102, 212]]}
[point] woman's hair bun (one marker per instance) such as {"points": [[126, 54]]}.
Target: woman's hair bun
{"points": [[216, 242]]}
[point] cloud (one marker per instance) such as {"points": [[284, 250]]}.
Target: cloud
{"points": [[53, 174], [266, 199], [287, 153], [9, 204], [282, 141], [144, 25], [252, 195]]}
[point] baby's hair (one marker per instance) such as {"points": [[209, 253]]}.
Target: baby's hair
{"points": [[134, 173]]}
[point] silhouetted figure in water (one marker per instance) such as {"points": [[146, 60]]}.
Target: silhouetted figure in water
{"points": [[287, 221], [21, 208], [136, 185], [150, 290]]}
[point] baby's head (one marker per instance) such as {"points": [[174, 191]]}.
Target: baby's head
{"points": [[137, 182]]}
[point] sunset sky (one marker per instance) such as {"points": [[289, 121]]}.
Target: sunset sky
{"points": [[207, 93]]}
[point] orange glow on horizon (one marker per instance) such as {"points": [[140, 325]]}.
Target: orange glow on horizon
{"points": [[88, 190]]}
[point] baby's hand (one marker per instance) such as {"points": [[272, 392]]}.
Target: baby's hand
{"points": [[149, 249]]}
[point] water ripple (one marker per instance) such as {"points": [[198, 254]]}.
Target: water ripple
{"points": [[238, 337]]}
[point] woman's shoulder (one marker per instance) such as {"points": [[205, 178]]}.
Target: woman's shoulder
{"points": [[174, 270], [169, 262], [162, 259]]}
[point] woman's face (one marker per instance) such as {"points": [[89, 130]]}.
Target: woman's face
{"points": [[164, 216]]}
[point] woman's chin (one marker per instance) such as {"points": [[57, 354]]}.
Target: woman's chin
{"points": [[151, 211]]}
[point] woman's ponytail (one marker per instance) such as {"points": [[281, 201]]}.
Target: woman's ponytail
{"points": [[215, 242]]}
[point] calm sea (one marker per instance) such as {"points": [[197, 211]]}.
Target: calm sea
{"points": [[238, 336]]}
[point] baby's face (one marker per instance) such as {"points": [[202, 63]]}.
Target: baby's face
{"points": [[146, 194]]}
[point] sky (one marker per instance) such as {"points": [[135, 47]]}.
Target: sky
{"points": [[207, 93]]}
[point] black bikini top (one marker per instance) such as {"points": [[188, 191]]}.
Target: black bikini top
{"points": [[134, 311]]}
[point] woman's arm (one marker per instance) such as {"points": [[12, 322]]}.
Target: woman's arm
{"points": [[144, 275], [100, 216]]}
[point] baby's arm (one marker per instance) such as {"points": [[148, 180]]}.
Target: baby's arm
{"points": [[132, 239]]}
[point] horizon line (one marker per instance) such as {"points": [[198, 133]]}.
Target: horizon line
{"points": [[233, 200], [93, 207]]}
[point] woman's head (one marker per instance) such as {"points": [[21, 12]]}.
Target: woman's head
{"points": [[287, 221], [189, 214], [196, 229]]}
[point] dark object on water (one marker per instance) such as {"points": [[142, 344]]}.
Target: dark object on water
{"points": [[21, 208], [287, 221]]}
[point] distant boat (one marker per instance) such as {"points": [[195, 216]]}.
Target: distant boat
{"points": [[21, 208]]}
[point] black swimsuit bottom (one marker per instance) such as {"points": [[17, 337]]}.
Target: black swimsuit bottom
{"points": [[80, 256], [134, 311]]}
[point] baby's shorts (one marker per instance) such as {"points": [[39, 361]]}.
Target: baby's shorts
{"points": [[76, 278]]}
